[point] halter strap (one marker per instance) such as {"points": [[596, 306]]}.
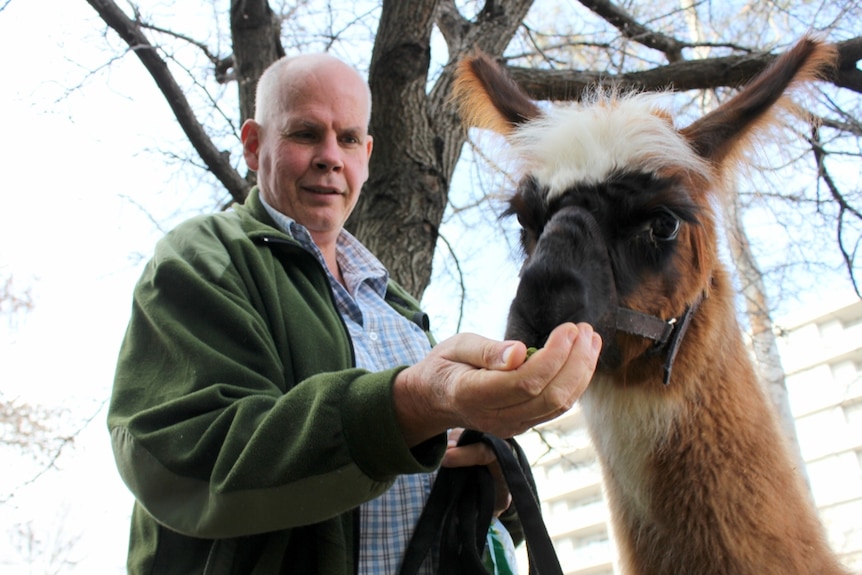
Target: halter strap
{"points": [[667, 334]]}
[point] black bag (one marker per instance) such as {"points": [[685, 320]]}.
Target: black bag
{"points": [[460, 509]]}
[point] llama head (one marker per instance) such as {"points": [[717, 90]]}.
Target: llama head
{"points": [[616, 203]]}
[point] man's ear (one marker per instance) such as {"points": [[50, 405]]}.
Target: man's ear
{"points": [[250, 134], [369, 145]]}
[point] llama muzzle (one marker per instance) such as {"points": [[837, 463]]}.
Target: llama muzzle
{"points": [[568, 278]]}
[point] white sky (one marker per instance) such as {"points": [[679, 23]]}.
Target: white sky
{"points": [[68, 233]]}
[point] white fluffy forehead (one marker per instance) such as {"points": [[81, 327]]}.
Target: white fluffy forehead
{"points": [[585, 143]]}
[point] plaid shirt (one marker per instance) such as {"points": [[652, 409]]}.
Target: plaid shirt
{"points": [[382, 338]]}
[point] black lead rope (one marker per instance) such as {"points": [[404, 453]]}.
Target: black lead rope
{"points": [[460, 509]]}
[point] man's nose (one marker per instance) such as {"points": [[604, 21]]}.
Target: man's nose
{"points": [[328, 156]]}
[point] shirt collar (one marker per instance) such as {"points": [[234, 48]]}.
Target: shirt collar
{"points": [[357, 263]]}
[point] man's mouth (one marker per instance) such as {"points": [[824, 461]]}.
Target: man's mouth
{"points": [[323, 190]]}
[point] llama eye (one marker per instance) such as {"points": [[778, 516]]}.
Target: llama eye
{"points": [[665, 226]]}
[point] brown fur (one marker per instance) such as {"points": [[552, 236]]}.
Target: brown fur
{"points": [[477, 77], [698, 477]]}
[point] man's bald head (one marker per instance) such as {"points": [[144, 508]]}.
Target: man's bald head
{"points": [[291, 74]]}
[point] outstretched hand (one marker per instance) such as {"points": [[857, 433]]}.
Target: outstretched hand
{"points": [[477, 383]]}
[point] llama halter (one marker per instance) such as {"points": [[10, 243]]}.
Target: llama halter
{"points": [[667, 334]]}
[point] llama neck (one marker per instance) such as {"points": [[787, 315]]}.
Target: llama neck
{"points": [[697, 474]]}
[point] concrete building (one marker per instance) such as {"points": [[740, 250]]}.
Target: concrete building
{"points": [[821, 353], [822, 357]]}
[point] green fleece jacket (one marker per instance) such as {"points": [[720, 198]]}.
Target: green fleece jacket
{"points": [[237, 419]]}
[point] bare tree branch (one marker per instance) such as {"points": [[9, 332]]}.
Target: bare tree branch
{"points": [[214, 58], [462, 299], [633, 30], [34, 430], [707, 74], [848, 74], [852, 128], [217, 161], [844, 208], [13, 301], [223, 66], [48, 551]]}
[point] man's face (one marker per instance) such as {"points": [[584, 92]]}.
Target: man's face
{"points": [[312, 155]]}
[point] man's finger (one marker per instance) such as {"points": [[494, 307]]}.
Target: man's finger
{"points": [[468, 456]]}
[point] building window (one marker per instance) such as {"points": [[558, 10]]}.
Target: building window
{"points": [[589, 499], [847, 372], [844, 372], [572, 470], [853, 415], [856, 382], [830, 329], [852, 323], [595, 547]]}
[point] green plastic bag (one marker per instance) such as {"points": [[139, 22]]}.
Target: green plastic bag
{"points": [[499, 557]]}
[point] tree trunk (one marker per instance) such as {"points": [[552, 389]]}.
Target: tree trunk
{"points": [[402, 204], [418, 135], [767, 360], [256, 34]]}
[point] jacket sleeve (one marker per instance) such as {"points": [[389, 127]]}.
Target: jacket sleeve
{"points": [[211, 429]]}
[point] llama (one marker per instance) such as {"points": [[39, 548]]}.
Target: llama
{"points": [[616, 207]]}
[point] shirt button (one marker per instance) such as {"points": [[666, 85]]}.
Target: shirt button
{"points": [[372, 335]]}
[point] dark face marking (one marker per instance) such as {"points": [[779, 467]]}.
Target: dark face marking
{"points": [[589, 248]]}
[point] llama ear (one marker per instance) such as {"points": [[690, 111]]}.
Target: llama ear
{"points": [[725, 132], [488, 98]]}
